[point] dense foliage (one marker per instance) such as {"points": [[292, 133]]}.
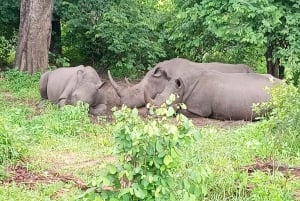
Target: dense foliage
{"points": [[9, 20], [283, 121], [149, 155], [131, 36]]}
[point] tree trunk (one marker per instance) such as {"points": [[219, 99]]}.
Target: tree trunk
{"points": [[280, 70], [34, 35], [55, 45], [272, 67]]}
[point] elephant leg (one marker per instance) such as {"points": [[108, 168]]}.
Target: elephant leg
{"points": [[98, 109]]}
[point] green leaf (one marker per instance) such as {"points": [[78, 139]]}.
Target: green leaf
{"points": [[138, 192], [112, 169], [124, 191], [168, 160], [170, 111], [157, 192], [158, 146]]}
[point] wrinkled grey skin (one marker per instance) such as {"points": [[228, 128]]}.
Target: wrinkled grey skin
{"points": [[219, 95], [155, 80], [112, 97], [70, 85]]}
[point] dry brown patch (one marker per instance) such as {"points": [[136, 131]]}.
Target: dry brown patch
{"points": [[21, 175], [270, 166], [202, 121]]}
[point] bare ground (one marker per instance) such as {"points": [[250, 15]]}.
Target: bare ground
{"points": [[21, 175]]}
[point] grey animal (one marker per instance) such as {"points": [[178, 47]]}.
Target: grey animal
{"points": [[70, 85], [155, 80], [219, 95]]}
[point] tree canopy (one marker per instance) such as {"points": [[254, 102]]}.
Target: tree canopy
{"points": [[130, 36]]}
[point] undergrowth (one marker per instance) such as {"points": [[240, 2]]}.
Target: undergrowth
{"points": [[159, 158]]}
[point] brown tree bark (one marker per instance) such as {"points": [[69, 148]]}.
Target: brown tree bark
{"points": [[34, 35]]}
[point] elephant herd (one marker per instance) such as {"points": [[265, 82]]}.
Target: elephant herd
{"points": [[214, 90]]}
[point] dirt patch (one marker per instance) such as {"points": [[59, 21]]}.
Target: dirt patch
{"points": [[270, 166], [21, 175], [202, 121]]}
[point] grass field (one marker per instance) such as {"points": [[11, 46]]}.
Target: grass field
{"points": [[59, 154]]}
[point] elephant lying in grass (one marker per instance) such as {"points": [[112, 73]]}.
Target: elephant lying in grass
{"points": [[70, 85]]}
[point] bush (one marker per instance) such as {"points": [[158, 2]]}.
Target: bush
{"points": [[283, 122], [7, 52], [149, 154], [12, 146], [131, 36]]}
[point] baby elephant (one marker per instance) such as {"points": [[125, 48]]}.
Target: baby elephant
{"points": [[69, 85]]}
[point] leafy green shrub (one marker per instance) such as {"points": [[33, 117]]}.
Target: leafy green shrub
{"points": [[131, 34], [58, 61], [12, 144], [149, 154], [283, 122], [7, 51]]}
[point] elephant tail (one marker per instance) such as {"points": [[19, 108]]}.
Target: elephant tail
{"points": [[44, 84]]}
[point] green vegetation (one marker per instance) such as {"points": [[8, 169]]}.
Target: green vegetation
{"points": [[159, 158], [149, 153], [130, 36]]}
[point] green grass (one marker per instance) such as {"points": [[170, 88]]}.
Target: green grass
{"points": [[65, 141]]}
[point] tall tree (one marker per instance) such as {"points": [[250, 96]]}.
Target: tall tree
{"points": [[240, 31], [34, 35], [273, 25]]}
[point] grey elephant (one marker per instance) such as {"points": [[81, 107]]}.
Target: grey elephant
{"points": [[155, 80], [70, 85]]}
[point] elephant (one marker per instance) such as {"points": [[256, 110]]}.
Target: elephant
{"points": [[69, 85], [156, 79], [218, 95]]}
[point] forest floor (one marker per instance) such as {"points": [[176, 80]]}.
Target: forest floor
{"points": [[20, 174]]}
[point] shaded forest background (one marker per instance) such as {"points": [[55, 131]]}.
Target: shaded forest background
{"points": [[130, 36]]}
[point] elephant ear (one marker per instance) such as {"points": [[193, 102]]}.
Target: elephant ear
{"points": [[80, 75], [160, 73]]}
